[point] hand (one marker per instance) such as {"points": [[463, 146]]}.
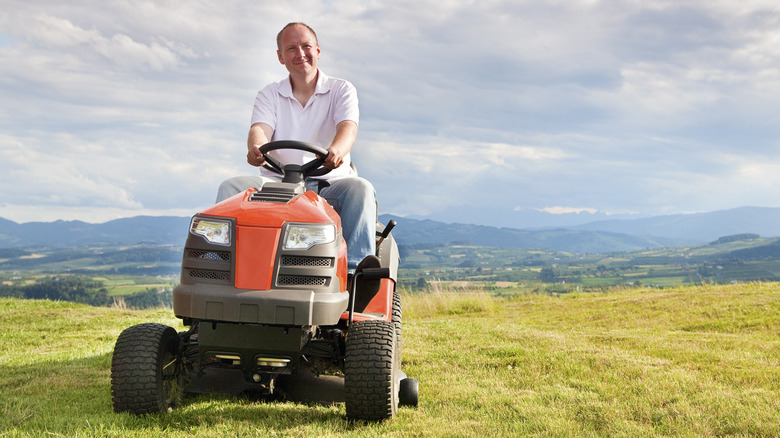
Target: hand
{"points": [[334, 158], [255, 157]]}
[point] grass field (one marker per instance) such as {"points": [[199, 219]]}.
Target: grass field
{"points": [[123, 285], [697, 361]]}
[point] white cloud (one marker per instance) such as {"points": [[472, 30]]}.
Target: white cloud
{"points": [[122, 50], [561, 210], [112, 108], [568, 210]]}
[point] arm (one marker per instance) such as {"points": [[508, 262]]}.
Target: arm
{"points": [[259, 134], [346, 133]]}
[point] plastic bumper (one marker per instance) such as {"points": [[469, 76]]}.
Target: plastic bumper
{"points": [[296, 307]]}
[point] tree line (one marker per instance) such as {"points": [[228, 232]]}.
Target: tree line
{"points": [[86, 291]]}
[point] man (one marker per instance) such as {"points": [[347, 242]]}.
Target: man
{"points": [[312, 107]]}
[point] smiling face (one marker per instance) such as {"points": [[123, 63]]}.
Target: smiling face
{"points": [[298, 51]]}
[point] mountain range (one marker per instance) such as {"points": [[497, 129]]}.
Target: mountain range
{"points": [[701, 227], [593, 237]]}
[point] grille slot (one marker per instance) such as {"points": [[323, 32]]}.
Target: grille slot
{"points": [[207, 274], [301, 280], [309, 262], [217, 256]]}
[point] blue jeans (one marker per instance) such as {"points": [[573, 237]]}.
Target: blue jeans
{"points": [[354, 199]]}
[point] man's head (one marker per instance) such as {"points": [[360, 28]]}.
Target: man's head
{"points": [[297, 23], [298, 48]]}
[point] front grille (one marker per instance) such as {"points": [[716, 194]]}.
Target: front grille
{"points": [[207, 263], [207, 274], [218, 256], [316, 269], [281, 198], [301, 280], [309, 262]]}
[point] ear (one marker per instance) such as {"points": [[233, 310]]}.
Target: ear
{"points": [[279, 54]]}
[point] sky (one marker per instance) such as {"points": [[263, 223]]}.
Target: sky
{"points": [[471, 111]]}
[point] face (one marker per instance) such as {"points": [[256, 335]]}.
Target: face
{"points": [[299, 51]]}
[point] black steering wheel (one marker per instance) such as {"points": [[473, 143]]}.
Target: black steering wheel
{"points": [[295, 172]]}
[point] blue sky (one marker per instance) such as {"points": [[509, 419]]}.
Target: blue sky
{"points": [[470, 111]]}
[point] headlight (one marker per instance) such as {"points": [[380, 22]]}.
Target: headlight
{"points": [[306, 236], [215, 231]]}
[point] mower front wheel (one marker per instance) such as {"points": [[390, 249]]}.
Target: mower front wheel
{"points": [[371, 367], [145, 369]]}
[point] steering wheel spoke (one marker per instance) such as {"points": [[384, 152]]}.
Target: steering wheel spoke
{"points": [[273, 164], [312, 166]]}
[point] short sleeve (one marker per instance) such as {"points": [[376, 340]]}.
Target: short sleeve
{"points": [[345, 105], [264, 110]]}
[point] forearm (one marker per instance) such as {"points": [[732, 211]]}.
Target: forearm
{"points": [[259, 134], [346, 133]]}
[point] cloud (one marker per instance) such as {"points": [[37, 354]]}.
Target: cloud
{"points": [[568, 210], [112, 108], [61, 35]]}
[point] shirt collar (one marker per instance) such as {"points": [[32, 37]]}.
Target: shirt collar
{"points": [[323, 85]]}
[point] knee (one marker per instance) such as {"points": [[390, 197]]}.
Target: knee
{"points": [[229, 183], [351, 194], [229, 187], [363, 194], [363, 188]]}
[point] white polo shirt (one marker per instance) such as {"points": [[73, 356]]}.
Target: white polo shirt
{"points": [[334, 101]]}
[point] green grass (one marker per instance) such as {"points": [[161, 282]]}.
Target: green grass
{"points": [[695, 361]]}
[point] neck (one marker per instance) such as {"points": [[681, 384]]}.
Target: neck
{"points": [[304, 84]]}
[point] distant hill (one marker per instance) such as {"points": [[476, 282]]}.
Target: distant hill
{"points": [[699, 227], [595, 237], [139, 229], [504, 216], [411, 231]]}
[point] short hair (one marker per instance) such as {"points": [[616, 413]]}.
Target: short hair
{"points": [[295, 23]]}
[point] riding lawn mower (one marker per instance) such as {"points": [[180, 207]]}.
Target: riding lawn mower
{"points": [[266, 297]]}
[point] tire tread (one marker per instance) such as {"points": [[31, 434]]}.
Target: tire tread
{"points": [[135, 368], [370, 371]]}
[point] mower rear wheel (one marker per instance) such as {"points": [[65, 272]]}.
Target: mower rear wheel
{"points": [[145, 369], [371, 368]]}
